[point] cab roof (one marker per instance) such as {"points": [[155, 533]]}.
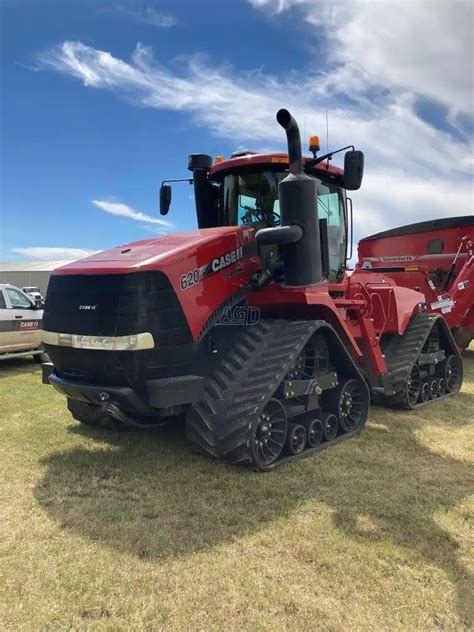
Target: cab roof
{"points": [[275, 161]]}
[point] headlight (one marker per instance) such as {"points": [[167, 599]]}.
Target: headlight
{"points": [[134, 342]]}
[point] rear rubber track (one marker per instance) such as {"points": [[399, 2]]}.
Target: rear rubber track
{"points": [[403, 354]]}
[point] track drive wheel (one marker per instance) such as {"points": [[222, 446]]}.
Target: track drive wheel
{"points": [[269, 435], [313, 360], [349, 403], [453, 373], [92, 415], [432, 343]]}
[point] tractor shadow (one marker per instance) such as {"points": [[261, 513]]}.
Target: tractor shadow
{"points": [[18, 366], [146, 494]]}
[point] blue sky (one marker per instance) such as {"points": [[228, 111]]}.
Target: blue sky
{"points": [[103, 100]]}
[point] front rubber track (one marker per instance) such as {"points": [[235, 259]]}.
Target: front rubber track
{"points": [[222, 425]]}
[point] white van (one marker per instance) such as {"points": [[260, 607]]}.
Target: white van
{"points": [[20, 325]]}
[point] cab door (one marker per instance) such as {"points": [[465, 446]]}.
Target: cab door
{"points": [[331, 208], [25, 320], [6, 325]]}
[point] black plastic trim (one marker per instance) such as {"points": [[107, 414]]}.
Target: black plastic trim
{"points": [[175, 391]]}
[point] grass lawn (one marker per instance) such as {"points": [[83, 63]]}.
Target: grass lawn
{"points": [[103, 531]]}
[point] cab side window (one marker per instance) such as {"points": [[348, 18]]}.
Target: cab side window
{"points": [[331, 208], [17, 299], [3, 305]]}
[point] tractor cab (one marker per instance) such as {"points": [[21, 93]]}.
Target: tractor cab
{"points": [[244, 191], [249, 196]]}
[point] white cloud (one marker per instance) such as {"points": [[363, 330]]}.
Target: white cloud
{"points": [[145, 15], [421, 46], [122, 210], [161, 20], [382, 57], [243, 107], [47, 253]]}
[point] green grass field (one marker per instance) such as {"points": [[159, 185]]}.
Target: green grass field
{"points": [[132, 531]]}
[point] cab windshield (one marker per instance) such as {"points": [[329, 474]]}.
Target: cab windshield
{"points": [[252, 199]]}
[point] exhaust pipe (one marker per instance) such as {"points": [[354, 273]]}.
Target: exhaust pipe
{"points": [[298, 208], [298, 235], [294, 140]]}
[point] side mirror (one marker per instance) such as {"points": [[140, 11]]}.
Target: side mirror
{"points": [[165, 199], [353, 170]]}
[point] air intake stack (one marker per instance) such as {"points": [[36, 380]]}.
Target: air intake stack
{"points": [[205, 194]]}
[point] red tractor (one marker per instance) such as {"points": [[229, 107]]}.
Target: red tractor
{"points": [[249, 327], [435, 258]]}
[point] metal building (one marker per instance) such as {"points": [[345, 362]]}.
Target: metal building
{"points": [[25, 273]]}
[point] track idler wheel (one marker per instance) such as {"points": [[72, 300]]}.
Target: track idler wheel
{"points": [[315, 432], [270, 434], [349, 403], [331, 426], [453, 373], [295, 439], [425, 392]]}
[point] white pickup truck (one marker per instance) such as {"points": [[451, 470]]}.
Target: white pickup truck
{"points": [[34, 293], [20, 325]]}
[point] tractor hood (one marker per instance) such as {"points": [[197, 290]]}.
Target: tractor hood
{"points": [[204, 269], [157, 253]]}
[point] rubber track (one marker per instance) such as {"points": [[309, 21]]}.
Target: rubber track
{"points": [[242, 384], [403, 354]]}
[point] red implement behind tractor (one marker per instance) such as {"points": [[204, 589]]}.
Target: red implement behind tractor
{"points": [[435, 258], [248, 327]]}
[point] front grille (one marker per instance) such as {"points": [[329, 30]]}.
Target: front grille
{"points": [[118, 305], [113, 305]]}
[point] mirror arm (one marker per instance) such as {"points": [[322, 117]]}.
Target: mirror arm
{"points": [[315, 161], [165, 193], [190, 180]]}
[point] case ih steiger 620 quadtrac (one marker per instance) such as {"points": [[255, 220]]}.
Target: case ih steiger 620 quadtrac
{"points": [[435, 258], [167, 326]]}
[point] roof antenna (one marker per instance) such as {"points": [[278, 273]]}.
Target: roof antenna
{"points": [[327, 132]]}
